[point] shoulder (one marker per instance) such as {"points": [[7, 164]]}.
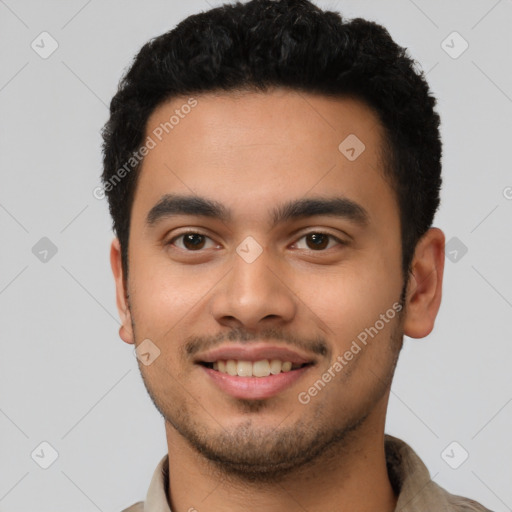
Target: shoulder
{"points": [[461, 504], [136, 507], [414, 486]]}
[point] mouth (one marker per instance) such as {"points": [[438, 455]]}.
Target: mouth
{"points": [[254, 372], [259, 369]]}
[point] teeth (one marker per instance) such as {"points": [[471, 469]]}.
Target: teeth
{"points": [[262, 368], [244, 369], [287, 366], [231, 367], [275, 366]]}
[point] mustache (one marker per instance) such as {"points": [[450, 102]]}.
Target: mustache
{"points": [[196, 344]]}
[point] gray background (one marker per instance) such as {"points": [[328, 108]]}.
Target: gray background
{"points": [[65, 376]]}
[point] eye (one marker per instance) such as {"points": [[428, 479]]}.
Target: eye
{"points": [[319, 241], [194, 241], [191, 241]]}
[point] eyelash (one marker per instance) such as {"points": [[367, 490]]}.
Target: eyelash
{"points": [[195, 232]]}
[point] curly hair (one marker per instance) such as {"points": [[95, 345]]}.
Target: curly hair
{"points": [[293, 44]]}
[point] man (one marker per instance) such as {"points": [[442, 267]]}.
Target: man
{"points": [[273, 172]]}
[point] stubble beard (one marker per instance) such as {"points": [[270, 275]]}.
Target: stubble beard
{"points": [[269, 455]]}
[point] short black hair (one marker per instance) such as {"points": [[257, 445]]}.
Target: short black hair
{"points": [[263, 44]]}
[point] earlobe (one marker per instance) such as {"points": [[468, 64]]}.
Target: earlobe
{"points": [[425, 285], [125, 331]]}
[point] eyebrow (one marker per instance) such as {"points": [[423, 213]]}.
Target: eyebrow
{"points": [[171, 205]]}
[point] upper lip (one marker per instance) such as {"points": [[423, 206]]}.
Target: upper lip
{"points": [[254, 352]]}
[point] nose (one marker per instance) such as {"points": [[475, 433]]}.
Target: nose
{"points": [[254, 295]]}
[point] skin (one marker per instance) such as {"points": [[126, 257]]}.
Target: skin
{"points": [[251, 152]]}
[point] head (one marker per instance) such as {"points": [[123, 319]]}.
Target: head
{"points": [[301, 154]]}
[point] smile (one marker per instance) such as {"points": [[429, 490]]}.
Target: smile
{"points": [[254, 371], [262, 368]]}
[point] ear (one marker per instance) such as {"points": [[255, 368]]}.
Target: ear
{"points": [[425, 285], [125, 331]]}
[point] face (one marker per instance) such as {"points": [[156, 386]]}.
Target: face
{"points": [[260, 246]]}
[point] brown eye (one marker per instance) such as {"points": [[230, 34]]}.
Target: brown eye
{"points": [[318, 241], [190, 241], [193, 241]]}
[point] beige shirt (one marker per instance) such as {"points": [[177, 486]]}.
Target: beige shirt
{"points": [[407, 473]]}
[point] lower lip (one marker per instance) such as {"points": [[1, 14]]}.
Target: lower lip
{"points": [[255, 388]]}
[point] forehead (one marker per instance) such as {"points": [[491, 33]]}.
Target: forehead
{"points": [[268, 146]]}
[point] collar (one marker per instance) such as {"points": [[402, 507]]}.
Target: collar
{"points": [[408, 474]]}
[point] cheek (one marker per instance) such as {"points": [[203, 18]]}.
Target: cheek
{"points": [[162, 295], [352, 297]]}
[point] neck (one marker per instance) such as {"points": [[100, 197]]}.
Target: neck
{"points": [[352, 477]]}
